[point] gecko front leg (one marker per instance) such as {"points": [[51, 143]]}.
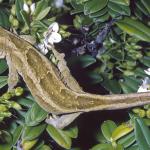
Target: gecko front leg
{"points": [[13, 74], [62, 121]]}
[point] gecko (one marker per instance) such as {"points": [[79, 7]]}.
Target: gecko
{"points": [[43, 79]]}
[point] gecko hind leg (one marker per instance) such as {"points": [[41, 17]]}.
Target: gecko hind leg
{"points": [[62, 121], [13, 76]]}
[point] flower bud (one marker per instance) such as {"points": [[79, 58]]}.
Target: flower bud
{"points": [[11, 18], [6, 96], [15, 106], [27, 145], [18, 91], [141, 113], [15, 23], [128, 73], [5, 114], [32, 8], [148, 113], [3, 108], [13, 10], [26, 8]]}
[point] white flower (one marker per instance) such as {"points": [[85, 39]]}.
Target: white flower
{"points": [[42, 48], [26, 8], [32, 8], [54, 27], [51, 37], [54, 38], [145, 87], [58, 3], [147, 71]]}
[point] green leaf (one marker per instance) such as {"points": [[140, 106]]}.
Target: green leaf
{"points": [[121, 131], [129, 84], [44, 147], [121, 2], [4, 19], [146, 61], [116, 54], [134, 147], [25, 101], [59, 136], [7, 140], [19, 7], [78, 8], [3, 66], [86, 60], [120, 9], [107, 128], [135, 28], [35, 115], [146, 3], [43, 13], [3, 81], [31, 133], [127, 140], [102, 147], [72, 132], [142, 8], [92, 6], [111, 85], [25, 18], [40, 6], [94, 77], [16, 134], [142, 134]]}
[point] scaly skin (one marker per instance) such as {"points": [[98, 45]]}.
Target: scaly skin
{"points": [[42, 79]]}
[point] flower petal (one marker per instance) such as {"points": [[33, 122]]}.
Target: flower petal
{"points": [[25, 8], [54, 27], [42, 49], [32, 8], [147, 71], [54, 38]]}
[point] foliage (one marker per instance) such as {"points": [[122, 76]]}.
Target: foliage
{"points": [[118, 67]]}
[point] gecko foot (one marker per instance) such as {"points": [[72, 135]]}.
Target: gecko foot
{"points": [[62, 121]]}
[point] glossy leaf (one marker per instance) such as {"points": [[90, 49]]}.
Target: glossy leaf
{"points": [[16, 134], [146, 3], [4, 18], [121, 130], [19, 7], [102, 147], [7, 140], [31, 133], [92, 7], [35, 115], [94, 78], [146, 61], [3, 66], [107, 128], [121, 2], [135, 28], [43, 13], [129, 84], [86, 60], [25, 101], [127, 140], [111, 85], [3, 81], [142, 134], [72, 132], [59, 136]]}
